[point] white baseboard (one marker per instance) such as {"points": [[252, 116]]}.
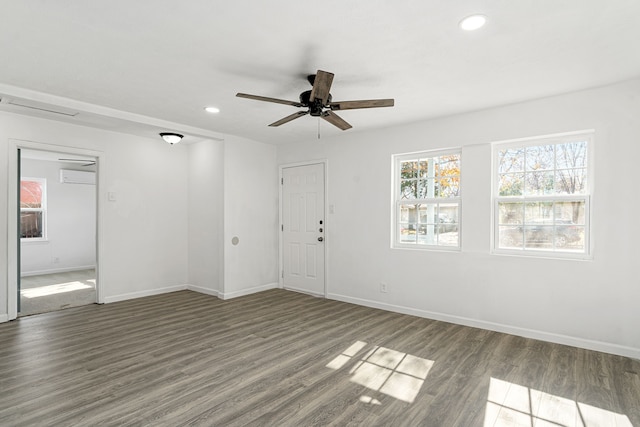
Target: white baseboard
{"points": [[200, 289], [205, 291], [140, 294], [55, 270], [304, 291], [497, 327], [249, 291], [4, 318]]}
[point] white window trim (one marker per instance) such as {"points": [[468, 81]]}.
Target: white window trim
{"points": [[44, 238], [589, 136], [395, 167]]}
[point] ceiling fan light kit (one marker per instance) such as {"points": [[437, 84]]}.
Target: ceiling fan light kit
{"points": [[319, 103]]}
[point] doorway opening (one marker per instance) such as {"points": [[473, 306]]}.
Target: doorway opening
{"points": [[57, 231]]}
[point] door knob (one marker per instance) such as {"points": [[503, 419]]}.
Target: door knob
{"points": [[320, 239]]}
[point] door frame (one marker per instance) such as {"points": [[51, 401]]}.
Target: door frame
{"points": [[13, 239], [327, 224]]}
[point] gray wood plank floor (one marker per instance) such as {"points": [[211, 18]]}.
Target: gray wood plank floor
{"points": [[280, 358]]}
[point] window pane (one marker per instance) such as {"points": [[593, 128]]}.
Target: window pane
{"points": [[510, 160], [424, 169], [31, 194], [510, 236], [426, 188], [511, 184], [448, 187], [407, 233], [407, 213], [448, 229], [538, 213], [427, 214], [571, 181], [31, 225], [426, 235], [408, 169], [569, 212], [538, 236], [539, 158], [510, 213], [571, 155], [569, 237], [539, 183], [448, 165], [408, 189]]}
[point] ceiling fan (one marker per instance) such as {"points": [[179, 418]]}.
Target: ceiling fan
{"points": [[318, 102]]}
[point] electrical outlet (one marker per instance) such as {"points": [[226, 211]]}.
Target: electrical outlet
{"points": [[383, 287], [56, 260]]}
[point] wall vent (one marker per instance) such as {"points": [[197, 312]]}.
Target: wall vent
{"points": [[40, 106], [69, 176]]}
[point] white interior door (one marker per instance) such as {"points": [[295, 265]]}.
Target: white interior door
{"points": [[303, 228]]}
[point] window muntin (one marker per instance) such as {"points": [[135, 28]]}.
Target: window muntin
{"points": [[542, 196], [33, 208], [427, 200]]}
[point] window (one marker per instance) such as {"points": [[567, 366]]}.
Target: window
{"points": [[542, 197], [32, 208], [427, 200]]}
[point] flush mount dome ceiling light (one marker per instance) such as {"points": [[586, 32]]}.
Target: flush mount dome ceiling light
{"points": [[473, 22], [171, 138]]}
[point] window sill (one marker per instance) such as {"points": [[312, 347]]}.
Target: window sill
{"points": [[34, 241], [559, 256], [427, 248]]}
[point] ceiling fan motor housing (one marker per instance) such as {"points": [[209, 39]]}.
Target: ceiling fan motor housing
{"points": [[315, 106]]}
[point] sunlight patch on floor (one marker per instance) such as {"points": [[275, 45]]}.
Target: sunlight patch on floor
{"points": [[510, 404], [394, 373], [53, 289]]}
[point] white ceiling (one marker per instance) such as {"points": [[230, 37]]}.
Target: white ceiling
{"points": [[163, 61]]}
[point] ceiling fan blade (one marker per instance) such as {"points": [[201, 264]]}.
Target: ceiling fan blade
{"points": [[289, 118], [267, 99], [336, 120], [367, 103], [321, 86]]}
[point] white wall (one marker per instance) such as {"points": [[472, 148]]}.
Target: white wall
{"points": [[71, 223], [592, 304], [145, 231], [251, 215], [206, 216]]}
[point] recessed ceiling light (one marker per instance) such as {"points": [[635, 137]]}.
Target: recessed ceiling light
{"points": [[212, 110], [473, 22]]}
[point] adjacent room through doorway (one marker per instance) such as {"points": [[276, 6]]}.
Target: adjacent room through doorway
{"points": [[57, 262]]}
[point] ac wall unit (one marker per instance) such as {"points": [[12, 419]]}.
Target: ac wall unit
{"points": [[68, 176]]}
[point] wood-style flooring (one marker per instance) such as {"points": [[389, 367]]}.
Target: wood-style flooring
{"points": [[280, 358]]}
